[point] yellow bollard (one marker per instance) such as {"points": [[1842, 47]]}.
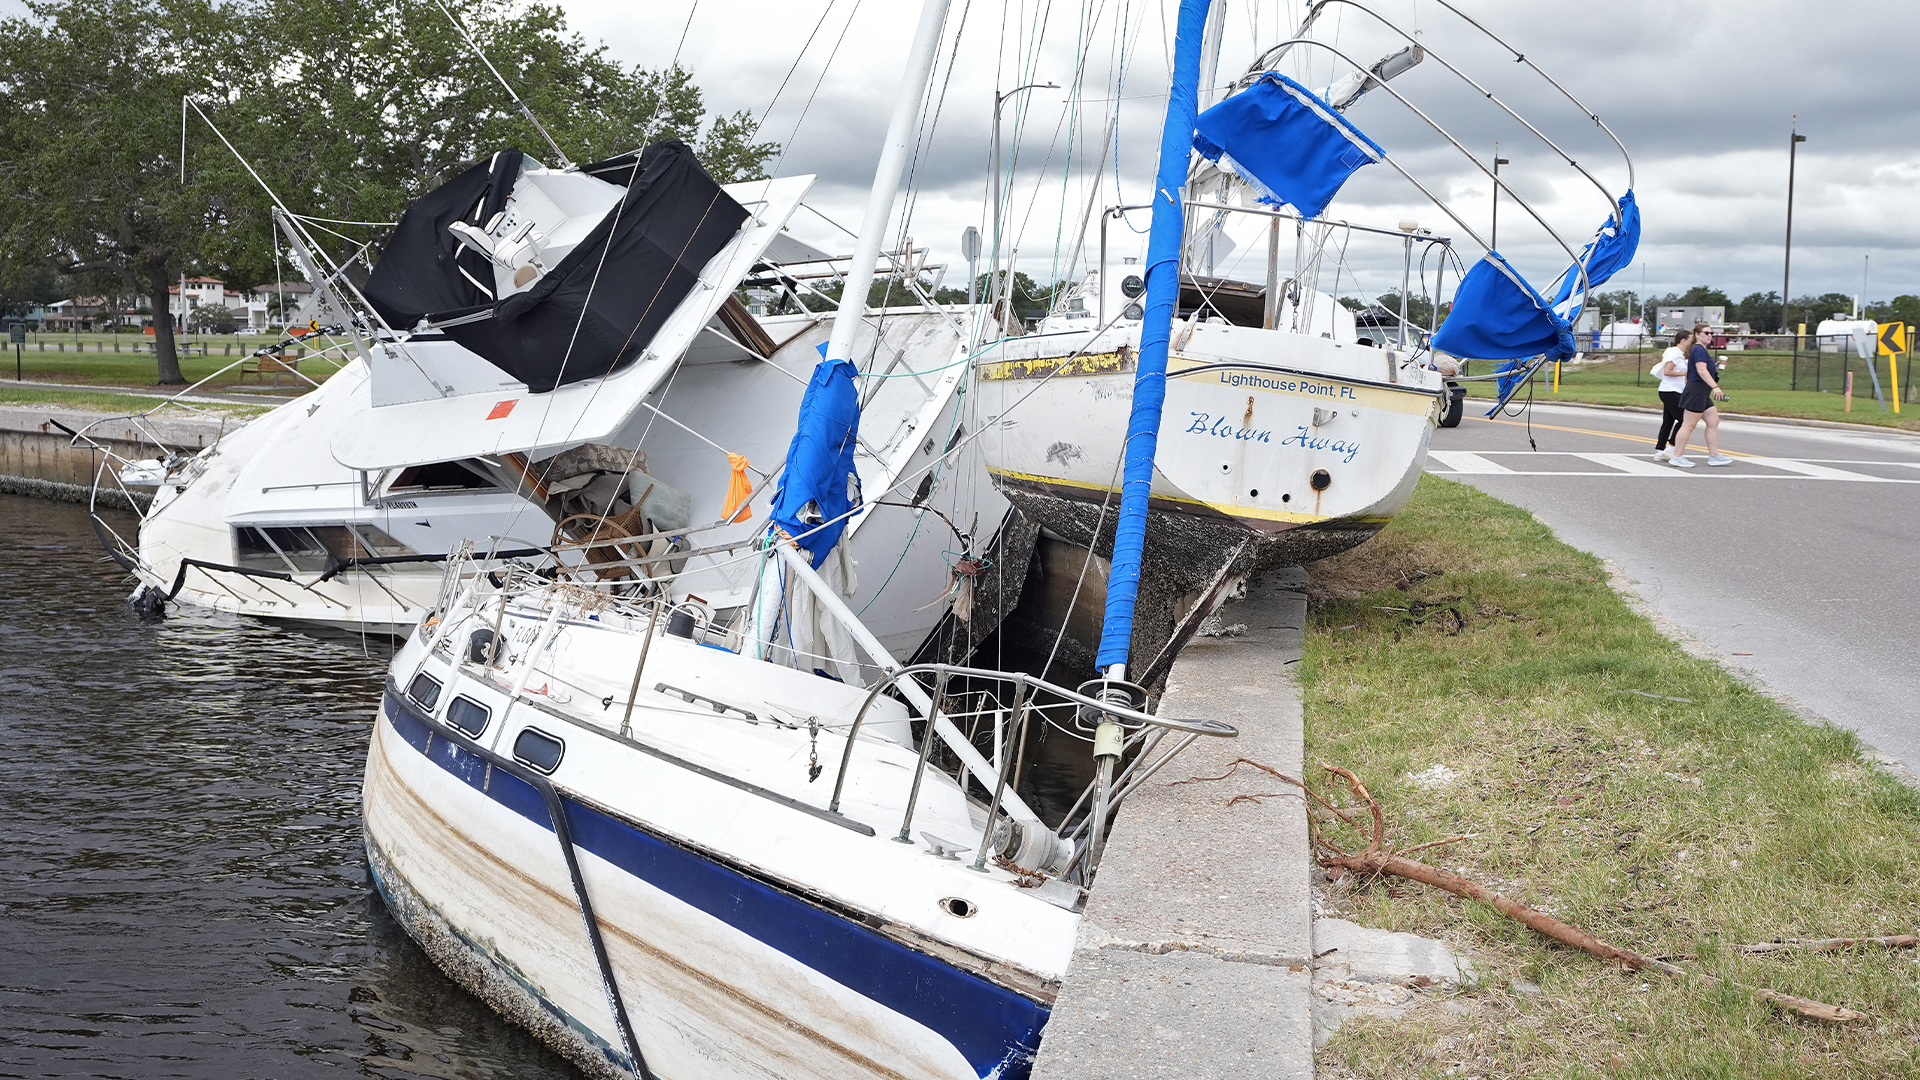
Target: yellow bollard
{"points": [[1556, 376], [1893, 364]]}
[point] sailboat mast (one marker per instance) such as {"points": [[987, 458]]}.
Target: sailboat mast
{"points": [[886, 179], [1156, 331]]}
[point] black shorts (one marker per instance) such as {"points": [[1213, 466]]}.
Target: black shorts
{"points": [[1697, 397]]}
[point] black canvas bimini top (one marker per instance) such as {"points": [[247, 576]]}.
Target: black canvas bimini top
{"points": [[596, 309]]}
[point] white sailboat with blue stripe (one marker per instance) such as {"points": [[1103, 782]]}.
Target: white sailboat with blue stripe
{"points": [[679, 842]]}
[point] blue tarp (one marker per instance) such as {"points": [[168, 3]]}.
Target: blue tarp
{"points": [[1156, 330], [819, 483], [1496, 315], [1612, 248], [1285, 142]]}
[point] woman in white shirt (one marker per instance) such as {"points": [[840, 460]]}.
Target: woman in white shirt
{"points": [[1672, 370]]}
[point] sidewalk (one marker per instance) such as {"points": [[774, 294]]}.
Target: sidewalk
{"points": [[1196, 956]]}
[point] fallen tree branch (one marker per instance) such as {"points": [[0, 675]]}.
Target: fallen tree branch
{"points": [[1378, 859], [1834, 944]]}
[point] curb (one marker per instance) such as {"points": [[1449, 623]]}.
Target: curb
{"points": [[1195, 958]]}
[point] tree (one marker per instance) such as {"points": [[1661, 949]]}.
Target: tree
{"points": [[1705, 296], [1761, 311], [88, 111], [1419, 309], [214, 320], [363, 106]]}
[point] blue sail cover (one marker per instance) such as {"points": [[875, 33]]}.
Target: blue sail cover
{"points": [[1496, 315], [1612, 248], [1156, 331], [1287, 143], [819, 483]]}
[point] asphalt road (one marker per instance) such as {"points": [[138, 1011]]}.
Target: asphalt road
{"points": [[1801, 560]]}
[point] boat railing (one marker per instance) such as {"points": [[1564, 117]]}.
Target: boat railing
{"points": [[1145, 747], [1024, 691], [1276, 283]]}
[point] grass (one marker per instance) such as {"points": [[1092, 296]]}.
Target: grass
{"points": [[127, 360], [96, 401], [1466, 636], [1760, 383]]}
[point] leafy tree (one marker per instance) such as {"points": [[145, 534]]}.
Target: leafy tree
{"points": [[1813, 309], [1903, 309], [1761, 311], [214, 320], [362, 106], [1617, 304], [1705, 296], [1419, 309]]}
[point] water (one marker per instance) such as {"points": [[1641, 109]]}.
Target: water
{"points": [[183, 890]]}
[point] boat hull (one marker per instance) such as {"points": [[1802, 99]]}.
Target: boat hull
{"points": [[1296, 447], [723, 971]]}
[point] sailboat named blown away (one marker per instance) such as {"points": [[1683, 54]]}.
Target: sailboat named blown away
{"points": [[1258, 423]]}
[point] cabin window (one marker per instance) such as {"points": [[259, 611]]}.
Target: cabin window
{"points": [[468, 715], [537, 749], [311, 549], [424, 690], [440, 476]]}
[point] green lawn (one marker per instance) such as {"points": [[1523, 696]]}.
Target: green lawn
{"points": [[1758, 383], [1483, 679], [114, 404], [127, 360]]}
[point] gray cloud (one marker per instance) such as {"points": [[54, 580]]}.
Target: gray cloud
{"points": [[1700, 92]]}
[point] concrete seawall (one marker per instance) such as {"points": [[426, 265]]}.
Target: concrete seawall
{"points": [[1196, 957], [37, 458]]}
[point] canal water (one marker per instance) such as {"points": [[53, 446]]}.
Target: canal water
{"points": [[183, 890]]}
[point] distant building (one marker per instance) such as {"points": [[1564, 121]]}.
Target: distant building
{"points": [[253, 310], [1686, 318]]}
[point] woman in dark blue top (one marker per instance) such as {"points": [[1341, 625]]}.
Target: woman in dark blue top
{"points": [[1703, 386]]}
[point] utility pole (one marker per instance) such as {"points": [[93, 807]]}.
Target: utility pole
{"points": [[1493, 239], [1786, 274]]}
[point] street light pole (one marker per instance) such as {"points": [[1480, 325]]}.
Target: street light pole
{"points": [[1493, 238], [1786, 273], [993, 265]]}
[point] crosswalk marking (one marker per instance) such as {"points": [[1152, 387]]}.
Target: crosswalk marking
{"points": [[1460, 461], [1818, 472], [1465, 463], [1628, 463]]}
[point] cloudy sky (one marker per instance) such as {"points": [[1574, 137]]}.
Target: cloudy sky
{"points": [[1700, 91]]}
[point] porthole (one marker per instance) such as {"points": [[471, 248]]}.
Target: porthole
{"points": [[538, 750], [1288, 497], [959, 907], [424, 690], [468, 715], [1253, 494], [1322, 480], [1132, 286]]}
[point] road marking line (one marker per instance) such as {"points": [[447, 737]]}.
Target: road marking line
{"points": [[1460, 461], [1820, 472], [1603, 434], [1630, 465]]}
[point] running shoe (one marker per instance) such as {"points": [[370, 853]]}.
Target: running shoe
{"points": [[1663, 455], [1719, 459], [1680, 463]]}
